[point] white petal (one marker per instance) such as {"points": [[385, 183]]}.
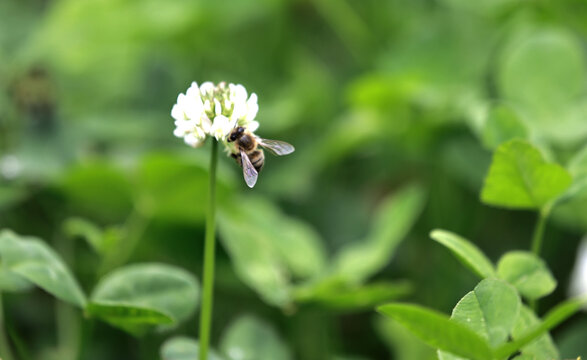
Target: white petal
{"points": [[239, 111], [207, 88], [217, 107], [206, 124], [177, 112], [192, 140], [194, 109], [220, 122], [200, 133], [193, 90], [207, 106], [252, 107], [189, 125], [179, 132], [253, 126], [221, 127], [233, 123], [240, 93]]}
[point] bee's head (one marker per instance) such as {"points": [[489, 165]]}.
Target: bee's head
{"points": [[236, 133]]}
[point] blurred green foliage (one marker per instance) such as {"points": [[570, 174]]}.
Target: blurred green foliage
{"points": [[394, 108]]}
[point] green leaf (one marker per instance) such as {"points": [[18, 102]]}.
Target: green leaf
{"points": [[543, 347], [297, 244], [439, 331], [442, 355], [266, 247], [10, 195], [394, 219], [11, 282], [569, 207], [105, 242], [165, 182], [248, 338], [254, 259], [466, 252], [571, 339], [490, 310], [98, 190], [135, 320], [162, 288], [545, 68], [554, 317], [31, 259], [183, 348], [527, 272], [520, 178], [543, 71], [78, 227], [401, 342], [503, 123], [338, 295]]}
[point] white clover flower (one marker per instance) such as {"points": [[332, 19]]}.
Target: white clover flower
{"points": [[228, 105], [578, 284]]}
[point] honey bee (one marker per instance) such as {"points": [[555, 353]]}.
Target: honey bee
{"points": [[249, 156]]}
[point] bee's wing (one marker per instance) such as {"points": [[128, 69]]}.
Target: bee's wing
{"points": [[249, 171], [276, 147]]}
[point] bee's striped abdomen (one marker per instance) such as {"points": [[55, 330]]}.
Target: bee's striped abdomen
{"points": [[257, 159]]}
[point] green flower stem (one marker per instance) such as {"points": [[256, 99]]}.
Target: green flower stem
{"points": [[209, 245], [5, 352], [537, 240], [539, 229]]}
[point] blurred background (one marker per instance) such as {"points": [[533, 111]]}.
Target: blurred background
{"points": [[380, 98]]}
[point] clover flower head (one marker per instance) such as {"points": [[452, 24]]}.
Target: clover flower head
{"points": [[213, 110]]}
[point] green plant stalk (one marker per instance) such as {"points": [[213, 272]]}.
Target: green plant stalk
{"points": [[537, 241], [539, 229], [87, 332], [68, 330], [21, 348], [67, 319], [5, 351], [209, 247]]}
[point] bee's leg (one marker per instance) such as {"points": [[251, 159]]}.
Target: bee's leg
{"points": [[237, 158]]}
